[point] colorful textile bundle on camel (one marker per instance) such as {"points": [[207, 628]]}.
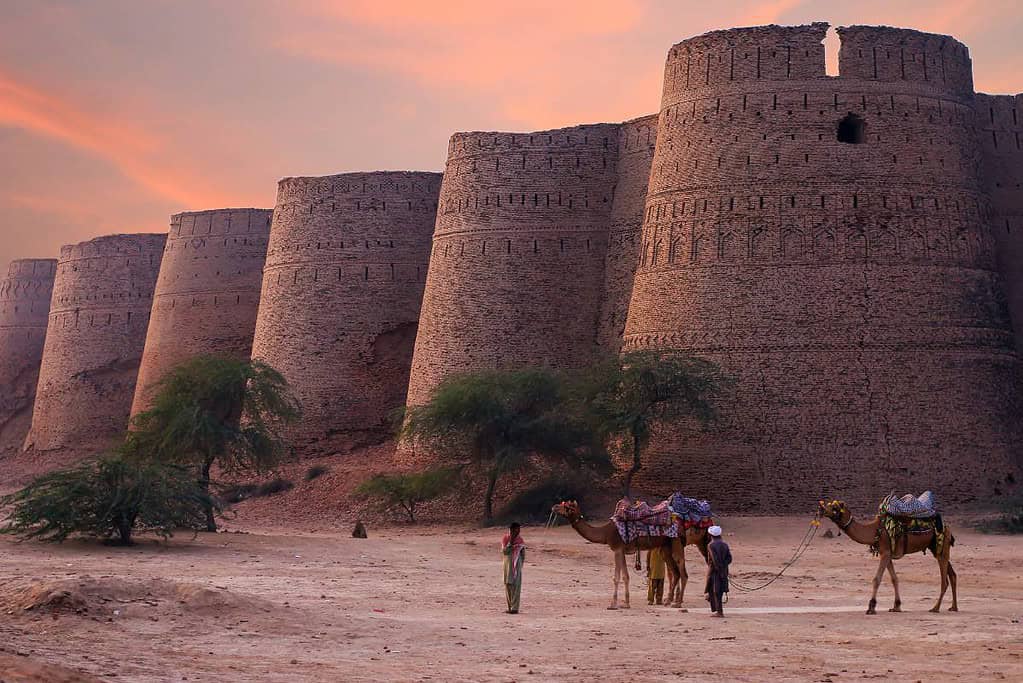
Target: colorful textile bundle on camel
{"points": [[690, 511], [911, 515], [669, 518]]}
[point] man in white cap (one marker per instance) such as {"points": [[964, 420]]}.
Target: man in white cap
{"points": [[718, 557]]}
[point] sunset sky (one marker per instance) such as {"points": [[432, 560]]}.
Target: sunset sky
{"points": [[116, 113]]}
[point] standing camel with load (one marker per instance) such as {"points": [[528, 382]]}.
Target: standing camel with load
{"points": [[629, 537], [902, 526]]}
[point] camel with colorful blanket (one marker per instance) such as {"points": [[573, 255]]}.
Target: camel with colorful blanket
{"points": [[636, 527], [902, 526]]}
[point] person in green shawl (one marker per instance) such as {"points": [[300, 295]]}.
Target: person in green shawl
{"points": [[514, 550]]}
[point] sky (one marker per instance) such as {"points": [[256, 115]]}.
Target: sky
{"points": [[114, 114]]}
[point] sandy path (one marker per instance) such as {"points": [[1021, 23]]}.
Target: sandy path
{"points": [[426, 604]]}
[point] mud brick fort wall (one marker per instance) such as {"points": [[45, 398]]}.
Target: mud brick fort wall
{"points": [[207, 293], [849, 249], [341, 297], [517, 271], [1000, 127], [102, 294], [24, 305], [852, 289]]}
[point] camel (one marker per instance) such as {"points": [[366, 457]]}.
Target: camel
{"points": [[671, 548], [873, 533]]}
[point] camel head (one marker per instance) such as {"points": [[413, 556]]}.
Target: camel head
{"points": [[569, 509], [835, 510]]}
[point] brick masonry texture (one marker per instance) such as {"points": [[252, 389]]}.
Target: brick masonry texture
{"points": [[851, 289], [862, 291], [24, 304], [341, 296], [98, 317], [517, 274], [207, 294]]}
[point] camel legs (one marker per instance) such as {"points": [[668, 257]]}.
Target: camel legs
{"points": [[678, 553], [683, 579], [625, 578], [955, 597], [881, 566], [943, 567], [671, 564], [619, 556], [895, 585]]}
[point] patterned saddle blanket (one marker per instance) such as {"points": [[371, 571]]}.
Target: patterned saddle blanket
{"points": [[657, 515], [921, 507], [689, 508], [640, 519]]}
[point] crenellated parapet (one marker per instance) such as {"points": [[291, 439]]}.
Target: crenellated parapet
{"points": [[102, 297], [904, 57], [207, 293]]}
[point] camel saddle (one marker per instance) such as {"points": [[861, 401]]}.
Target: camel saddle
{"points": [[639, 519], [923, 506]]}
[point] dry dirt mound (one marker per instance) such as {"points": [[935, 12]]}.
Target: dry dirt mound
{"points": [[109, 596], [17, 669]]}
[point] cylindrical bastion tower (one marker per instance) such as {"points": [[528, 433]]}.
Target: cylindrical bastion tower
{"points": [[99, 314], [517, 271], [827, 241], [342, 289], [207, 294], [24, 304]]}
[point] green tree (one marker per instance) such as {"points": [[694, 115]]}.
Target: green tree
{"points": [[496, 420], [111, 497], [626, 398], [408, 490], [217, 410]]}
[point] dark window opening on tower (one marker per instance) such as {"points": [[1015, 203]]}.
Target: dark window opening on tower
{"points": [[852, 130]]}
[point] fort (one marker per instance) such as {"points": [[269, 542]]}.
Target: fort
{"points": [[207, 293], [24, 307], [99, 313], [341, 296], [849, 248]]}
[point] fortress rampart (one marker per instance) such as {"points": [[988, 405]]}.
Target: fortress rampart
{"points": [[848, 248], [24, 304], [98, 317], [517, 273], [827, 241], [341, 296], [207, 293], [1000, 123], [636, 141]]}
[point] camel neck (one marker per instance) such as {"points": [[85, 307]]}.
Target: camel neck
{"points": [[588, 531], [862, 532]]}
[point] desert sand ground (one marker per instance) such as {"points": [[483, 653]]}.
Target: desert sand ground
{"points": [[426, 603]]}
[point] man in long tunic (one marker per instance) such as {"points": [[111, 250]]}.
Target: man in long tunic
{"points": [[514, 550], [719, 556]]}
